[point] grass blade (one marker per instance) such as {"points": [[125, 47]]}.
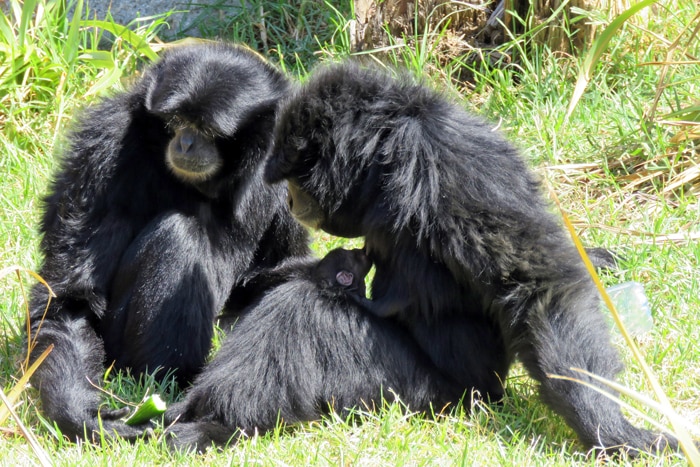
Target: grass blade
{"points": [[664, 404], [72, 45], [17, 389], [122, 32], [686, 440], [596, 51], [36, 447], [27, 14]]}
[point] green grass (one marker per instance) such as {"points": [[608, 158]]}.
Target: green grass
{"points": [[50, 67]]}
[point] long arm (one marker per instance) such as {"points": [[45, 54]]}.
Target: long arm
{"points": [[69, 378], [295, 356]]}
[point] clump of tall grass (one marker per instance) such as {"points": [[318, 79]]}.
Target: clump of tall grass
{"points": [[52, 57]]}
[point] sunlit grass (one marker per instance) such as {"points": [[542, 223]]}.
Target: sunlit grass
{"points": [[619, 167]]}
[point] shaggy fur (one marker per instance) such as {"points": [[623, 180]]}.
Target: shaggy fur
{"points": [[303, 348], [142, 250], [468, 254]]}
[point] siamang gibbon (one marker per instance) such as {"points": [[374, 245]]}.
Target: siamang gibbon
{"points": [[305, 347], [468, 253], [156, 212]]}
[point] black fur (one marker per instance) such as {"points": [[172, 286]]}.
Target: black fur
{"points": [[142, 250], [468, 254], [304, 347]]}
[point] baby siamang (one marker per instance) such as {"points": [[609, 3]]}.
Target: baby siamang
{"points": [[157, 211], [305, 347], [468, 254]]}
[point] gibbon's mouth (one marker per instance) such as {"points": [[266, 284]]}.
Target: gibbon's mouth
{"points": [[191, 171], [307, 219]]}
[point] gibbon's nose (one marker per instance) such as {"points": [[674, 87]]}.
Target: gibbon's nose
{"points": [[186, 140]]}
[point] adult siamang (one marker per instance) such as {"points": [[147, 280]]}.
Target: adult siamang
{"points": [[156, 213], [468, 254], [305, 346]]}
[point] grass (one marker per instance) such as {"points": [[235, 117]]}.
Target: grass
{"points": [[622, 168]]}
